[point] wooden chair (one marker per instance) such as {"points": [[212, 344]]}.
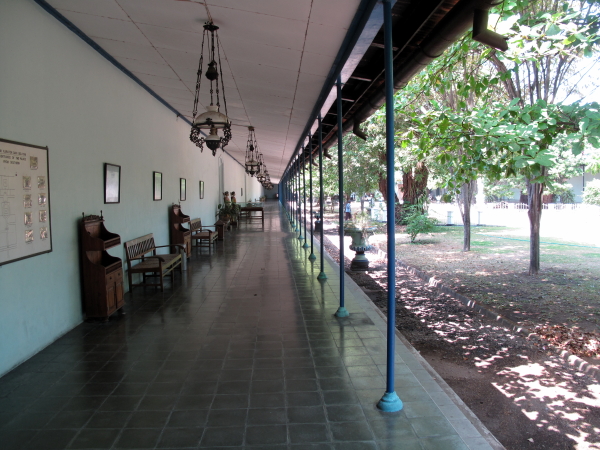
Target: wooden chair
{"points": [[202, 235], [153, 265]]}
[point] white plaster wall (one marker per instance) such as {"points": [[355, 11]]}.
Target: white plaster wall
{"points": [[577, 183], [56, 91]]}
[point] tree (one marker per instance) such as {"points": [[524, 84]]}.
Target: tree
{"points": [[456, 82], [546, 39], [518, 139]]}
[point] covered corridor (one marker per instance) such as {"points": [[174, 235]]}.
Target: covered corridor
{"points": [[243, 351]]}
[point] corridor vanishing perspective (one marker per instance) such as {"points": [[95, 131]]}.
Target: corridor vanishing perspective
{"points": [[243, 351]]}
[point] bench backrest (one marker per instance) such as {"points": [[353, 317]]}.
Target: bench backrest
{"points": [[138, 247], [195, 225]]}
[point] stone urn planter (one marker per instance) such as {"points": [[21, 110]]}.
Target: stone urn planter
{"points": [[318, 223], [360, 244]]}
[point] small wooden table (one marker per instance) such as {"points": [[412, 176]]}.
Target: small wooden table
{"points": [[221, 226], [250, 217]]}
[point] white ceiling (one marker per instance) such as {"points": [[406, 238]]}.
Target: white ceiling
{"points": [[276, 55]]}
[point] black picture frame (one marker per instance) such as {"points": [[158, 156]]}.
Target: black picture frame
{"points": [[201, 190], [35, 200], [182, 189], [157, 184], [112, 183]]}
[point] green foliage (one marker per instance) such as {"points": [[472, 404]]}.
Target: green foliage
{"points": [[591, 196], [446, 198], [563, 191], [506, 140], [418, 222], [231, 209], [362, 220], [592, 161], [498, 190]]}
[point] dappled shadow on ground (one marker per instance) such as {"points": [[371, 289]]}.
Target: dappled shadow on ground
{"points": [[524, 394], [495, 273]]}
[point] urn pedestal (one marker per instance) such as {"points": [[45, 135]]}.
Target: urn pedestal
{"points": [[359, 244]]}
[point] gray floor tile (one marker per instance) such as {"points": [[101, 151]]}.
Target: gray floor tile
{"points": [[244, 352]]}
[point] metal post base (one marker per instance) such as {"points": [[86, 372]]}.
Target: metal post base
{"points": [[300, 237], [312, 257], [342, 312], [322, 276], [360, 262], [390, 402], [305, 245]]}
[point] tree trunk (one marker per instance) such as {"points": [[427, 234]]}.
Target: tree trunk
{"points": [[465, 199], [534, 201], [414, 185], [383, 187], [362, 203]]}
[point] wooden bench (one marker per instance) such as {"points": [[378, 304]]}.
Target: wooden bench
{"points": [[201, 235], [153, 265]]}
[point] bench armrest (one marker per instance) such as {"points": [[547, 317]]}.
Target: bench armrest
{"points": [[172, 245]]}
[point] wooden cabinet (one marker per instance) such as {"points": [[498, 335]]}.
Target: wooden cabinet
{"points": [[102, 274], [180, 234]]}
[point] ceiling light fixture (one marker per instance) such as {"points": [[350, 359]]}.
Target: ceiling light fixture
{"points": [[252, 162], [211, 120], [262, 169]]}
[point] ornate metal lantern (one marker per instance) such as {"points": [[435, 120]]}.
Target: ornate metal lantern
{"points": [[261, 169], [267, 179], [252, 163], [211, 120]]}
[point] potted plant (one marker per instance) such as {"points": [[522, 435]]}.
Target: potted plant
{"points": [[228, 211], [359, 229]]}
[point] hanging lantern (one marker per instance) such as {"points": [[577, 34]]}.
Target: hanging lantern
{"points": [[267, 177], [252, 163], [211, 120], [261, 169]]}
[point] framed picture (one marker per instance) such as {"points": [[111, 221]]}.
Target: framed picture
{"points": [[112, 183], [157, 185], [25, 210], [182, 189], [201, 189], [241, 192]]}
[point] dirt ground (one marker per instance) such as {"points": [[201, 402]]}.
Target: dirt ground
{"points": [[520, 389]]}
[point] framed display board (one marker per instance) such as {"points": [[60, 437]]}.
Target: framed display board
{"points": [[112, 183], [182, 189], [157, 186], [25, 229]]}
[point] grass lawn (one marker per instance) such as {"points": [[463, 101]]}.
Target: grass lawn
{"points": [[494, 272]]}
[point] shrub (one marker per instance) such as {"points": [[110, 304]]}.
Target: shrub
{"points": [[591, 196], [418, 222], [563, 191]]}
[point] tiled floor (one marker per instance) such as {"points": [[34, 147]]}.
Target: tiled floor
{"points": [[243, 352]]}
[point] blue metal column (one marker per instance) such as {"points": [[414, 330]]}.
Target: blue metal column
{"points": [[289, 195], [342, 311], [321, 275], [304, 196], [293, 194], [296, 195], [290, 210], [390, 401], [299, 204], [312, 256], [286, 197]]}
